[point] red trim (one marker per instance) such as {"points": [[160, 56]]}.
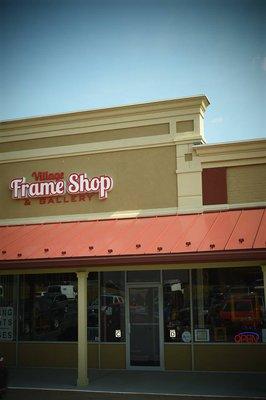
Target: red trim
{"points": [[212, 256]]}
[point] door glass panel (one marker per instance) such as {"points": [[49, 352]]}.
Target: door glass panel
{"points": [[144, 326]]}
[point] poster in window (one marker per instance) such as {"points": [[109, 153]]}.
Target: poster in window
{"points": [[202, 335]]}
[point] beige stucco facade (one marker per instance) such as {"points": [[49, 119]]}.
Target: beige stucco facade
{"points": [[138, 175], [245, 184], [142, 147], [155, 153]]}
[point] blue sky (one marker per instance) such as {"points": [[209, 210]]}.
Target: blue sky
{"points": [[67, 55]]}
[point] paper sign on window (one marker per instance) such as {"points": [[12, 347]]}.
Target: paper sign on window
{"points": [[6, 323]]}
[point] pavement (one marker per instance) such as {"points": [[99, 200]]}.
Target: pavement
{"points": [[55, 384]]}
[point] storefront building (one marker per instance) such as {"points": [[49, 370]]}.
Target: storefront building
{"points": [[126, 242]]}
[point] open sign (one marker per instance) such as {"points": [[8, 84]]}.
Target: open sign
{"points": [[247, 337]]}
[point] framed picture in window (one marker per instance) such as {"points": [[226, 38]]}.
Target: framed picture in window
{"points": [[202, 335], [220, 334]]}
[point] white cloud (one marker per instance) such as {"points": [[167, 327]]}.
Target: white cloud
{"points": [[217, 120]]}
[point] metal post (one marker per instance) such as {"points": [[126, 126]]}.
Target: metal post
{"points": [[191, 321], [263, 267], [82, 330], [16, 293], [99, 319], [200, 298]]}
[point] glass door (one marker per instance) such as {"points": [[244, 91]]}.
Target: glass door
{"points": [[144, 327]]}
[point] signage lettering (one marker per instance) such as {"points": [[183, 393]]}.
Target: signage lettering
{"points": [[56, 186], [6, 323], [247, 337], [47, 176]]}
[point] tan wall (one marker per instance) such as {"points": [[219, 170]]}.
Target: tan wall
{"points": [[210, 357], [222, 357], [177, 357], [47, 355], [54, 355], [90, 137], [93, 355], [8, 351], [246, 184], [143, 179], [230, 357], [113, 356]]}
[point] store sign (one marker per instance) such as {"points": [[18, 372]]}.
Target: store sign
{"points": [[247, 337], [53, 184], [6, 323]]}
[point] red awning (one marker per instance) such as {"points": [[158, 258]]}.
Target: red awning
{"points": [[155, 239]]}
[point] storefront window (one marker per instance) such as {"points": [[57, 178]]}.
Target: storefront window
{"points": [[48, 307], [112, 302], [229, 305], [176, 306], [7, 308]]}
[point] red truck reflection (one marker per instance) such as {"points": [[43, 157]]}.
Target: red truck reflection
{"points": [[244, 310]]}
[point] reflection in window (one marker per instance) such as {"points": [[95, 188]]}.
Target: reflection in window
{"points": [[229, 305], [144, 326], [47, 307], [176, 306], [112, 306]]}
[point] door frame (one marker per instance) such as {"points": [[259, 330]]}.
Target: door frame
{"points": [[161, 330]]}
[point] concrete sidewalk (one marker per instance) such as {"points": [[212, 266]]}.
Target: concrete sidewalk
{"points": [[141, 384]]}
